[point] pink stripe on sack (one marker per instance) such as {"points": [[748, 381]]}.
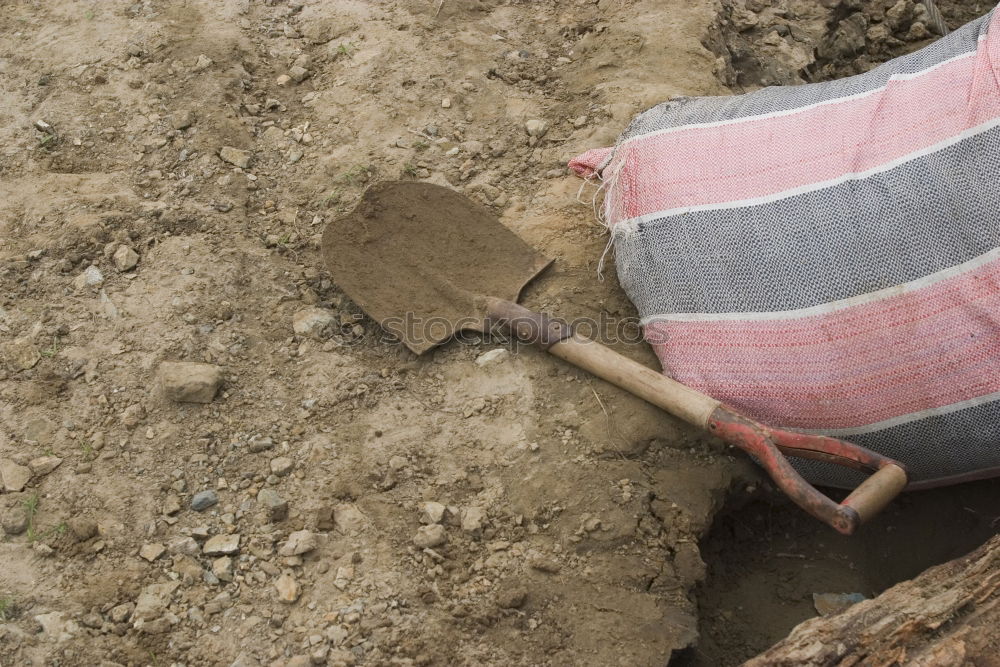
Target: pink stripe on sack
{"points": [[916, 351], [768, 156]]}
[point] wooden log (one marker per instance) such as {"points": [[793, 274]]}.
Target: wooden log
{"points": [[948, 615]]}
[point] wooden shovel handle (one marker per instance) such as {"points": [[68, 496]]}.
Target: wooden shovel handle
{"points": [[768, 446]]}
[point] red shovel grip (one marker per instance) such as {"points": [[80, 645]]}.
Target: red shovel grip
{"points": [[769, 446]]}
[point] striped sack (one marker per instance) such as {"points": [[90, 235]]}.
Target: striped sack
{"points": [[826, 257]]}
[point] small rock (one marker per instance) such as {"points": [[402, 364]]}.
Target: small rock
{"points": [[313, 321], [15, 520], [579, 122], [92, 621], [21, 353], [158, 626], [542, 564], [430, 536], [172, 505], [512, 598], [325, 520], [446, 103], [82, 528], [298, 74], [13, 477], [260, 444], [223, 568], [152, 551], [56, 627], [183, 544], [343, 576], [203, 500], [235, 156], [828, 604], [536, 128], [274, 505], [299, 542], [473, 147], [472, 519], [222, 545], [120, 613], [341, 657], [287, 588], [182, 120], [153, 600], [125, 258], [190, 382], [91, 277], [492, 357], [348, 518], [202, 64], [431, 512], [187, 568], [281, 466], [283, 80], [43, 465]]}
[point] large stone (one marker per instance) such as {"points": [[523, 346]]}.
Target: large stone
{"points": [[13, 477], [190, 382]]}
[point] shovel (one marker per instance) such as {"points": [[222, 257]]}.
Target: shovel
{"points": [[427, 263]]}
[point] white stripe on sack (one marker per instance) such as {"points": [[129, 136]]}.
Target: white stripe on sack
{"points": [[629, 226], [833, 306], [904, 419]]}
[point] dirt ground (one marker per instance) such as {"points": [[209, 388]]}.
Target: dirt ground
{"points": [[167, 169]]}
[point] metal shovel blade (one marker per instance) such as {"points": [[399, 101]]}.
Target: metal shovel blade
{"points": [[415, 256]]}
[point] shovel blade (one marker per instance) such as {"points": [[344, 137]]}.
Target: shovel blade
{"points": [[415, 257]]}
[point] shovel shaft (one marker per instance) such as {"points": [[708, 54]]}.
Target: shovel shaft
{"points": [[679, 400], [767, 445]]}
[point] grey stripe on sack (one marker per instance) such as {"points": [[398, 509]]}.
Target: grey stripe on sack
{"points": [[838, 242], [697, 110], [933, 448]]}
